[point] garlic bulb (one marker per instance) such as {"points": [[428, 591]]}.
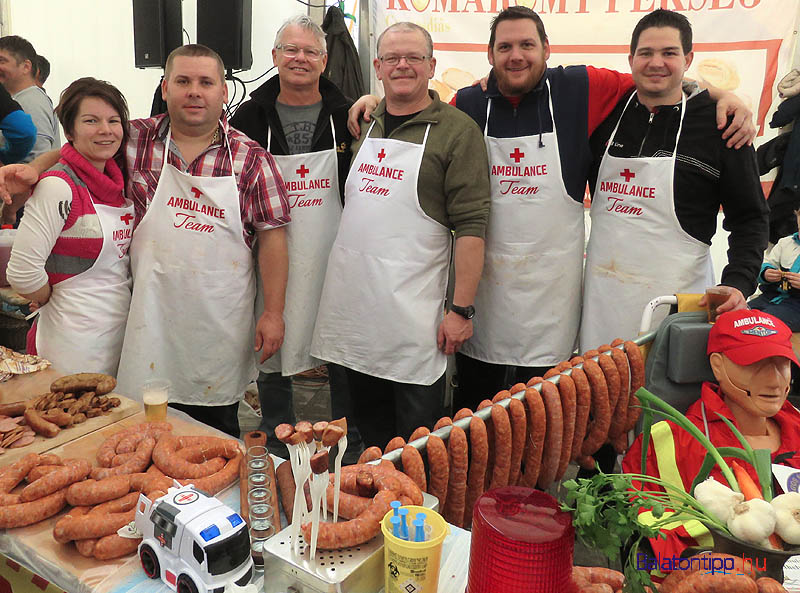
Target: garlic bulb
{"points": [[717, 498], [787, 517], [752, 521], [787, 525], [788, 501]]}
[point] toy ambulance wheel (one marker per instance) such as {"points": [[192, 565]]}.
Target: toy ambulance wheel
{"points": [[186, 584], [150, 562]]}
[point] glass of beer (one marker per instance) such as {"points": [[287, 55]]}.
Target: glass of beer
{"points": [[155, 395], [714, 298]]}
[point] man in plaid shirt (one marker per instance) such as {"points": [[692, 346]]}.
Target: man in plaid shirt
{"points": [[198, 215], [203, 194]]}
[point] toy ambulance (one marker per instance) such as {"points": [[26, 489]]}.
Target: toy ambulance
{"points": [[193, 542]]}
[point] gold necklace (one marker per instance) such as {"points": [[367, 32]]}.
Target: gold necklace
{"points": [[215, 137]]}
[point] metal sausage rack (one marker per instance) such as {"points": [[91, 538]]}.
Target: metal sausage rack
{"points": [[358, 569]]}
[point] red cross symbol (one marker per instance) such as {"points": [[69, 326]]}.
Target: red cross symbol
{"points": [[381, 155], [197, 193], [302, 171], [517, 155], [127, 218], [185, 496], [162, 540], [627, 174]]}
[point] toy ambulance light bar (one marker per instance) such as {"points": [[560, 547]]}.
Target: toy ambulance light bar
{"points": [[212, 531]]}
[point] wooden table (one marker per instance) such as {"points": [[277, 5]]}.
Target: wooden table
{"points": [[34, 546]]}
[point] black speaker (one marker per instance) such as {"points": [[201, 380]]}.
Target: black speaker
{"points": [[226, 28], [157, 30]]}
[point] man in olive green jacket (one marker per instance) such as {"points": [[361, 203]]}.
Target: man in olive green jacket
{"points": [[419, 173]]}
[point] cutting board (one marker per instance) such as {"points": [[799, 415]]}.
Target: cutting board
{"points": [[22, 387], [27, 386], [127, 407]]}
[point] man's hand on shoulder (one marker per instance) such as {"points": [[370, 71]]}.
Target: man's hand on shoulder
{"points": [[741, 131], [365, 105], [269, 334], [454, 330]]}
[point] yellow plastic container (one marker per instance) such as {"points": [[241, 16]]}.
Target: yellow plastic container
{"points": [[413, 566]]}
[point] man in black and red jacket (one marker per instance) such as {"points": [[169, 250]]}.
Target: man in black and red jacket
{"points": [[666, 126]]}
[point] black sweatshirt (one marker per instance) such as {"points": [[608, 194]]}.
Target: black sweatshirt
{"points": [[254, 116], [707, 175]]}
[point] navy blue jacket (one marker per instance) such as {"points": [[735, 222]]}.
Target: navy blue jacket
{"points": [[570, 89]]}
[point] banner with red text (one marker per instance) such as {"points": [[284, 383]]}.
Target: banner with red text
{"points": [[745, 46]]}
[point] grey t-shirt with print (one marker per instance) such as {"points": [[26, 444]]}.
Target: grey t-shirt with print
{"points": [[299, 122]]}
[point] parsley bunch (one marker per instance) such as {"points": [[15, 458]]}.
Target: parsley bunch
{"points": [[605, 511]]}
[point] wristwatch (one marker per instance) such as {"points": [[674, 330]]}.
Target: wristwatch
{"points": [[467, 312]]}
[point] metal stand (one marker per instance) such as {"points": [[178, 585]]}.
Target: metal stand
{"points": [[350, 570]]}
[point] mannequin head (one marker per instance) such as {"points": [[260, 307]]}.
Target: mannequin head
{"points": [[751, 354]]}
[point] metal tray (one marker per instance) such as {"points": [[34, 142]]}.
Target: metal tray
{"points": [[350, 570]]}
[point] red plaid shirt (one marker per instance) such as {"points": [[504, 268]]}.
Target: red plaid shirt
{"points": [[263, 203]]}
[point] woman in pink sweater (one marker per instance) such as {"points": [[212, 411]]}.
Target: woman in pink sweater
{"points": [[70, 254]]}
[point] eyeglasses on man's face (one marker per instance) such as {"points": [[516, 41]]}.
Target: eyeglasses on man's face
{"points": [[392, 60], [292, 51]]}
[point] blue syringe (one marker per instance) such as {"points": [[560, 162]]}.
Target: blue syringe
{"points": [[396, 527], [404, 523], [419, 529]]}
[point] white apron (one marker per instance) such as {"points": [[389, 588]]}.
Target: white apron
{"points": [[637, 249], [191, 317], [385, 286], [528, 304], [312, 182], [81, 327]]}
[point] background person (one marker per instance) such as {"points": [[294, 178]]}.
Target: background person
{"points": [[70, 254], [18, 66], [300, 117], [42, 70], [17, 128], [779, 281]]}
